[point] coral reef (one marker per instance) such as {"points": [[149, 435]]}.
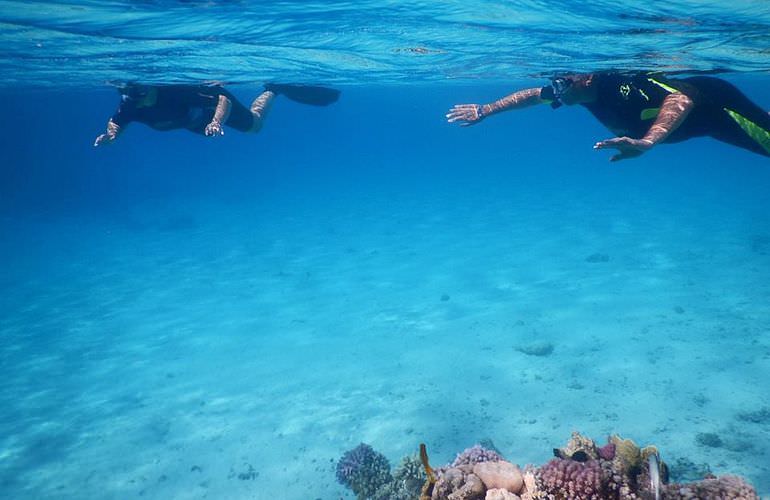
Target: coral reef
{"points": [[565, 479], [458, 483], [618, 470], [367, 473], [568, 479], [607, 452], [499, 475], [476, 454], [364, 471], [578, 448], [715, 488], [408, 479], [500, 494], [410, 475]]}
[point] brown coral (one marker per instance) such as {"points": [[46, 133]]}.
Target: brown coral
{"points": [[473, 489], [628, 456], [458, 483], [579, 448], [427, 488], [530, 490]]}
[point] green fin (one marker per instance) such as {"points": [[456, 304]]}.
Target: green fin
{"points": [[754, 131]]}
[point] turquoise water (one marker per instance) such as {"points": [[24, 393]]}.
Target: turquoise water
{"points": [[421, 42], [184, 317]]}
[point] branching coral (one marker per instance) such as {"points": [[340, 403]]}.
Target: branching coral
{"points": [[363, 470], [570, 480], [408, 478]]}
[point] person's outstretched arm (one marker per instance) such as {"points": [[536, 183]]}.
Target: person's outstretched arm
{"points": [[470, 114], [673, 112], [113, 129], [220, 115]]}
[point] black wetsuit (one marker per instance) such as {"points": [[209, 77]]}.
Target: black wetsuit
{"points": [[188, 107], [627, 104]]}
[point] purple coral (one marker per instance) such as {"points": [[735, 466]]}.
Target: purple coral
{"points": [[476, 454], [363, 470], [568, 479], [606, 452]]}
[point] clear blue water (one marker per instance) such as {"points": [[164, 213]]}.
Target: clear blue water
{"points": [[176, 309], [376, 42]]}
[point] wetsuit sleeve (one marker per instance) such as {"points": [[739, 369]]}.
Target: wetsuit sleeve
{"points": [[125, 114], [690, 91]]}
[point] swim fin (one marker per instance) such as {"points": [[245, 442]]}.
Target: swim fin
{"points": [[305, 94]]}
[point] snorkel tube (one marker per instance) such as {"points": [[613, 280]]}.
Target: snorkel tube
{"points": [[555, 90]]}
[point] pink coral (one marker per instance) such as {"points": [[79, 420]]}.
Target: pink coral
{"points": [[571, 480], [606, 452], [476, 454]]}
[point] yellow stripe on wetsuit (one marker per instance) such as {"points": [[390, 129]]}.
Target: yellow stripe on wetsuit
{"points": [[667, 88], [650, 113]]}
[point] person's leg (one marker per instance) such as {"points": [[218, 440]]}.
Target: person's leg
{"points": [[239, 118], [259, 109], [735, 119]]}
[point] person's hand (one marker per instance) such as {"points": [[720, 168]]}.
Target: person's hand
{"points": [[466, 114], [104, 139], [628, 147], [214, 129]]}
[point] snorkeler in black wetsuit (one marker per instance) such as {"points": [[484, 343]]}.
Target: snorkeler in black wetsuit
{"points": [[202, 109], [644, 109]]}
